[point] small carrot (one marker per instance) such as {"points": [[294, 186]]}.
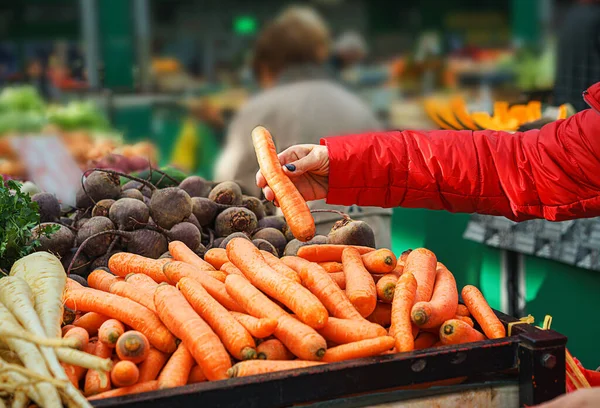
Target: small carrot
{"points": [[422, 263], [256, 367], [360, 287], [273, 350], [462, 310], [96, 381], [258, 328], [177, 370], [404, 299], [110, 331], [380, 261], [230, 269], [458, 332], [328, 252], [181, 252], [66, 328], [176, 270], [425, 340], [292, 294], [152, 365], [443, 304], [133, 346], [342, 331], [196, 375], [81, 336], [359, 349], [332, 266], [483, 313], [399, 269], [181, 319], [323, 287], [131, 292], [382, 315], [234, 336], [465, 319], [386, 287], [76, 373], [216, 257], [124, 374], [279, 266], [91, 321], [123, 263], [102, 280], [339, 278], [134, 389], [298, 337]]}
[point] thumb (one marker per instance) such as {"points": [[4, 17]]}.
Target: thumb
{"points": [[301, 166]]}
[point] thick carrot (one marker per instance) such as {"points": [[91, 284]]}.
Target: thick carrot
{"points": [[258, 328], [458, 332], [177, 370], [142, 281], [332, 266], [399, 269], [230, 269], [96, 381], [280, 267], [404, 299], [181, 252], [323, 287], [110, 331], [127, 311], [196, 375], [134, 389], [129, 291], [298, 337], [359, 349], [425, 340], [462, 310], [422, 263], [339, 278], [292, 294], [328, 252], [274, 349], [234, 336], [380, 261], [360, 287], [382, 315], [202, 342], [386, 287], [176, 270], [124, 374], [66, 328], [81, 336], [292, 204], [443, 304], [483, 313], [101, 280], [123, 263], [133, 346], [465, 319], [256, 367], [216, 257], [342, 331], [91, 321], [152, 365]]}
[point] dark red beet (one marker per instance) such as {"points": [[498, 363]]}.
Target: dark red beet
{"points": [[223, 243], [186, 233], [48, 205], [291, 249], [227, 192], [274, 236], [102, 207], [254, 205], [264, 245], [350, 232], [100, 185], [235, 219], [217, 242], [206, 210], [132, 193], [79, 279], [273, 221], [99, 245], [195, 186], [148, 243], [170, 206], [59, 243], [82, 265], [128, 214]]}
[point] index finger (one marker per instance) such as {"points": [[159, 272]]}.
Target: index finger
{"points": [[260, 180]]}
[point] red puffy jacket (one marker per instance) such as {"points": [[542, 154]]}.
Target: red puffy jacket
{"points": [[552, 173]]}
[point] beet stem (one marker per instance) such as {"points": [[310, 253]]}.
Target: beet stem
{"points": [[83, 244], [128, 176]]}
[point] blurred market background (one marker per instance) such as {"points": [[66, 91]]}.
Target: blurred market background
{"points": [[121, 82]]}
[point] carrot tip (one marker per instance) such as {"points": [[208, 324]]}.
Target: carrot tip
{"points": [[419, 317], [320, 353], [248, 353], [261, 356], [448, 329], [388, 260], [232, 372]]}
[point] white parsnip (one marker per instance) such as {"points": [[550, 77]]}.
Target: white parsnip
{"points": [[83, 359], [20, 400]]}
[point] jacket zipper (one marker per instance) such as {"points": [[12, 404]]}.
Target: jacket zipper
{"points": [[591, 101]]}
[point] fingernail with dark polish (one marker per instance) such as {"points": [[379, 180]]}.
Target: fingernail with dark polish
{"points": [[290, 167]]}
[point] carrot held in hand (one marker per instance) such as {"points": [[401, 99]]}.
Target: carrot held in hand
{"points": [[134, 389], [259, 328], [152, 365], [216, 257], [177, 370], [102, 280], [124, 374], [359, 349], [292, 204], [458, 332], [443, 304], [342, 331], [273, 349], [386, 287], [181, 252], [256, 367], [404, 299], [380, 261], [280, 267], [483, 313], [110, 331], [360, 287], [328, 252]]}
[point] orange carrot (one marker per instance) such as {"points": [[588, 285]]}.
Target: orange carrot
{"points": [[80, 335], [177, 370], [234, 336], [66, 328], [462, 310], [425, 340], [342, 331], [259, 328], [296, 297], [280, 267], [76, 373], [404, 299], [230, 269], [443, 304], [273, 350], [299, 338], [465, 319], [123, 263], [101, 280], [181, 252], [422, 263], [133, 346], [339, 278], [292, 204], [216, 257], [202, 342], [404, 255], [359, 349], [152, 365], [483, 313], [70, 371], [124, 374], [360, 286], [176, 270], [127, 311], [382, 315], [96, 381], [196, 375], [131, 292], [386, 287], [91, 322], [110, 331], [332, 266], [380, 261], [134, 389], [399, 269], [256, 367], [142, 281], [458, 332], [328, 252]]}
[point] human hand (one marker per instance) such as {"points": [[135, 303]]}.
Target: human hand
{"points": [[583, 398], [307, 166]]}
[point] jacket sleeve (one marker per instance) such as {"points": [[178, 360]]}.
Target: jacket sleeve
{"points": [[552, 173]]}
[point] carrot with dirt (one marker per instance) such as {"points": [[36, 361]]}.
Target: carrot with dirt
{"points": [[102, 280], [425, 340], [91, 322], [422, 264], [296, 297], [339, 278], [177, 370], [256, 367], [360, 287], [380, 261], [331, 266], [80, 336], [216, 257], [180, 252], [458, 332], [133, 346], [123, 263], [465, 319], [292, 204], [97, 381], [359, 349], [382, 315], [299, 338], [124, 374], [176, 270], [231, 269], [134, 389], [152, 365], [129, 291], [386, 287], [462, 310], [483, 313], [258, 328], [443, 303], [342, 331], [196, 375], [279, 266], [323, 287], [202, 342], [234, 336], [328, 252], [274, 349], [404, 299]]}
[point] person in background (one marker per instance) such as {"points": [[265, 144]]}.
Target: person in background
{"points": [[299, 103], [349, 49]]}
